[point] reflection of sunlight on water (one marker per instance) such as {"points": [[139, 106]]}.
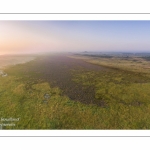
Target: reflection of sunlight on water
{"points": [[14, 60]]}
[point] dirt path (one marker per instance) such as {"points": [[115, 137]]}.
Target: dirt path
{"points": [[57, 71]]}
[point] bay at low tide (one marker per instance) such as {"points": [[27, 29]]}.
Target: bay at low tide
{"points": [[8, 60]]}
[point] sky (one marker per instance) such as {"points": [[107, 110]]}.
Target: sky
{"points": [[74, 36]]}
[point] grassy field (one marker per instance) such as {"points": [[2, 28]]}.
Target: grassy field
{"points": [[133, 63], [122, 97]]}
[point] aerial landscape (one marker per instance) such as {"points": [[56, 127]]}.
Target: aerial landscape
{"points": [[74, 75]]}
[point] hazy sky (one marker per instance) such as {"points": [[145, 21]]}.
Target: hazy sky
{"points": [[70, 36]]}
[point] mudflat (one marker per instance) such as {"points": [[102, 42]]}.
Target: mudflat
{"points": [[57, 70]]}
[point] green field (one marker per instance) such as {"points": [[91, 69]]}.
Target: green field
{"points": [[122, 95]]}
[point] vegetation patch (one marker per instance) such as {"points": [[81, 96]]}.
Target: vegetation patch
{"points": [[121, 97]]}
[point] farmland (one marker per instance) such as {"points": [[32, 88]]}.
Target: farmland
{"points": [[83, 92]]}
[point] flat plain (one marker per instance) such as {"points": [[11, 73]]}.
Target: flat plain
{"points": [[62, 91]]}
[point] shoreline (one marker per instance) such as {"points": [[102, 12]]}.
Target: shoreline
{"points": [[8, 61]]}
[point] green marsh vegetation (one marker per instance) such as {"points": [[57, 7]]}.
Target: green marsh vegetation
{"points": [[124, 89], [123, 93], [129, 63]]}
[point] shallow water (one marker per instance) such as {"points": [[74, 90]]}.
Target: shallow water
{"points": [[57, 70], [7, 60]]}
